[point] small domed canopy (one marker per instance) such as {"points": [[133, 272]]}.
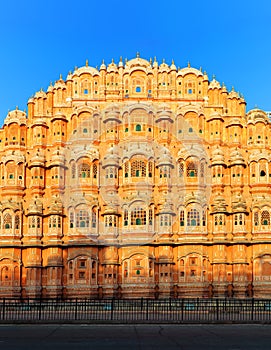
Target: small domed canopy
{"points": [[189, 70], [236, 158], [86, 70], [218, 157], [219, 205], [214, 84], [16, 116], [257, 116], [137, 62]]}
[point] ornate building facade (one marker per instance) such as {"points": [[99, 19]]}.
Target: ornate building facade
{"points": [[135, 180]]}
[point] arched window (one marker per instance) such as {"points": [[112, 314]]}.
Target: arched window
{"points": [[84, 170], [193, 218], [191, 169], [138, 127], [138, 216], [7, 221], [265, 217]]}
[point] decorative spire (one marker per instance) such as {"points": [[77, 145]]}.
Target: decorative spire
{"points": [[150, 60], [163, 60], [172, 61], [137, 55], [154, 58], [200, 69], [214, 76], [86, 63], [120, 58], [112, 61], [60, 76], [188, 64], [126, 60]]}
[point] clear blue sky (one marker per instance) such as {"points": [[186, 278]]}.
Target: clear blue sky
{"points": [[39, 40]]}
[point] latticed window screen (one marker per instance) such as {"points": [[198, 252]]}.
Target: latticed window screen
{"points": [[84, 170], [165, 220], [150, 216], [182, 218], [181, 169], [125, 217], [73, 171], [202, 172], [138, 168], [164, 171], [111, 221], [150, 168], [7, 221], [126, 169], [138, 216], [82, 218], [71, 219], [193, 218], [93, 218], [239, 219], [17, 222], [265, 217], [256, 218], [95, 171], [192, 169], [31, 222], [203, 219]]}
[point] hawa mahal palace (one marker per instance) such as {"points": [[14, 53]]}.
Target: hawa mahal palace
{"points": [[136, 179]]}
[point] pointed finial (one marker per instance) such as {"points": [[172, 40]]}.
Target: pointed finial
{"points": [[137, 54], [51, 84], [103, 61], [232, 89], [126, 60], [86, 63], [120, 58], [154, 58], [17, 108], [172, 61], [163, 60], [213, 76], [60, 76], [179, 68], [205, 72], [188, 64], [150, 60], [112, 60], [75, 68], [223, 84], [200, 69]]}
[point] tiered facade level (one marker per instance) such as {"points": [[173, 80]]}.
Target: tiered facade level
{"points": [[135, 180]]}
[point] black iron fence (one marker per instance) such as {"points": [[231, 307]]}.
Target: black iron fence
{"points": [[136, 310]]}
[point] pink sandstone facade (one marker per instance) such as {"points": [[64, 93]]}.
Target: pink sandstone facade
{"points": [[135, 180]]}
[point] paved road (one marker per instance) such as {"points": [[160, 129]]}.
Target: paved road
{"points": [[135, 337]]}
